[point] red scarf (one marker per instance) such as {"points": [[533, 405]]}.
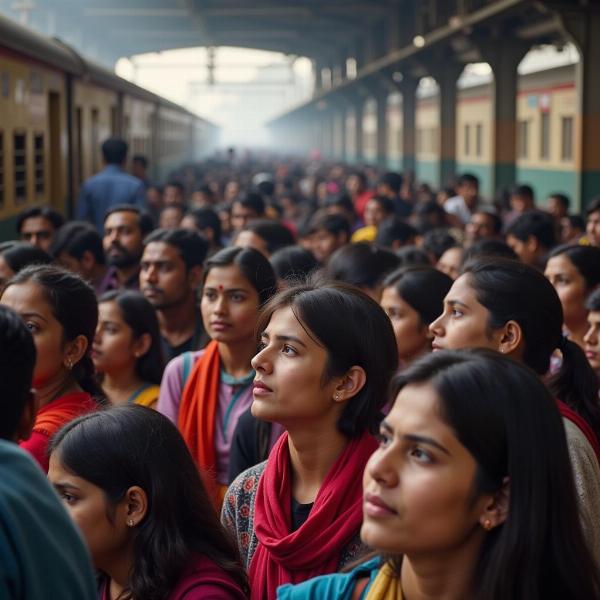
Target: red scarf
{"points": [[335, 518], [568, 413], [51, 417]]}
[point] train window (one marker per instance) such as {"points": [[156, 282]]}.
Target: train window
{"points": [[20, 167], [5, 85], [36, 83], [38, 163], [478, 139], [467, 140], [523, 139], [545, 136], [567, 138], [1, 169]]}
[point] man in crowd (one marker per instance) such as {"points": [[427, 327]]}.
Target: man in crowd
{"points": [[328, 233], [78, 247], [112, 186], [139, 169], [484, 225], [38, 226], [532, 236], [464, 204], [390, 186], [125, 228], [246, 208], [170, 276]]}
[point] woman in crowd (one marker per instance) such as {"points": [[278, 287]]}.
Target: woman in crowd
{"points": [[363, 265], [472, 455], [15, 256], [574, 271], [132, 488], [61, 312], [126, 350], [511, 307], [413, 298], [327, 353], [292, 264], [206, 392]]}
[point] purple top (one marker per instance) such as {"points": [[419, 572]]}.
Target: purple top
{"points": [[231, 406]]}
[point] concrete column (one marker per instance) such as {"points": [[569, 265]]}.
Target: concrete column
{"points": [[583, 27], [447, 76], [382, 129], [358, 104], [504, 57], [317, 67], [408, 87]]}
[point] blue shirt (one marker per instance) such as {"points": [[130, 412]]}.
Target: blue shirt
{"points": [[41, 554], [109, 187]]}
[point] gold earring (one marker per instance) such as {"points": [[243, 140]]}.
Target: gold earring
{"points": [[130, 522], [487, 525], [337, 397]]}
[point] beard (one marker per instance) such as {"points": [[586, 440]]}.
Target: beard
{"points": [[123, 258]]}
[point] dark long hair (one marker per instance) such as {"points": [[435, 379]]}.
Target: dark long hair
{"points": [[424, 288], [140, 316], [74, 305], [252, 265], [130, 446], [586, 259], [511, 290], [354, 330], [506, 418]]}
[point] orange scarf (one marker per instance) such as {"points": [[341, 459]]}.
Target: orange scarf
{"points": [[197, 414]]}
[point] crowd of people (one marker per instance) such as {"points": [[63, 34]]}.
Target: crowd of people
{"points": [[282, 378]]}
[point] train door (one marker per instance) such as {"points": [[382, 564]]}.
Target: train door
{"points": [[54, 132]]}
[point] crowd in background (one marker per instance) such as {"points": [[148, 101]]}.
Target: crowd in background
{"points": [[382, 390]]}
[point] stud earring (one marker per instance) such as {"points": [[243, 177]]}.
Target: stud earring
{"points": [[336, 397], [69, 364], [130, 522], [487, 525]]}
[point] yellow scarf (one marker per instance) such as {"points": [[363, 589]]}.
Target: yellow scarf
{"points": [[386, 585]]}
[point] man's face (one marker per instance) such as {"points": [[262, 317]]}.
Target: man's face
{"points": [[172, 196], [593, 228], [241, 216], [324, 244], [481, 226], [164, 278], [122, 240], [37, 231], [556, 208], [468, 191], [138, 169], [520, 203]]}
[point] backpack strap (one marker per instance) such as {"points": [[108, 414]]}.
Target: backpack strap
{"points": [[186, 367]]}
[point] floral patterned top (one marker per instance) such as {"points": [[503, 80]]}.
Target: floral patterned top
{"points": [[237, 515]]}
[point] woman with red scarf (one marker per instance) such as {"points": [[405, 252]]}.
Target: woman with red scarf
{"points": [[327, 353]]}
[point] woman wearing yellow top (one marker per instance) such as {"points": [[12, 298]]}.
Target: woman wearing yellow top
{"points": [[126, 349]]}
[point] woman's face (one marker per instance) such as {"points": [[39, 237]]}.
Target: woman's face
{"points": [[571, 289], [289, 374], [114, 348], [29, 301], [419, 484], [464, 322], [87, 505], [450, 262], [412, 335], [229, 305], [5, 272]]}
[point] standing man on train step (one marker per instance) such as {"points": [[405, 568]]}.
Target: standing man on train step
{"points": [[109, 187]]}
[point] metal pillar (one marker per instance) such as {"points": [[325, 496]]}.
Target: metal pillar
{"points": [[504, 57], [408, 88], [382, 130]]}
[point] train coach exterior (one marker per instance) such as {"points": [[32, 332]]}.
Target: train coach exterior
{"points": [[55, 110]]}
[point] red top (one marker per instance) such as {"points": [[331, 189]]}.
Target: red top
{"points": [[51, 418], [360, 203], [201, 580]]}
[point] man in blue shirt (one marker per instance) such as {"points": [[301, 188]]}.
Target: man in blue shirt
{"points": [[109, 187]]}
